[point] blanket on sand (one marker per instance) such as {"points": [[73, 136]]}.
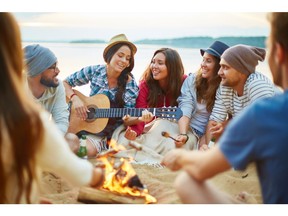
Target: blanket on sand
{"points": [[159, 181], [154, 145]]}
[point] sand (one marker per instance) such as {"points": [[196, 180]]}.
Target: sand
{"points": [[159, 181]]}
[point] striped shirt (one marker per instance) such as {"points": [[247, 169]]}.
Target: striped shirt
{"points": [[228, 102]]}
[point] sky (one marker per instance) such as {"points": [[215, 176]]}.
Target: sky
{"points": [[75, 26], [146, 19]]}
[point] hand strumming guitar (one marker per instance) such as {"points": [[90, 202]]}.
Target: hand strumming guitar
{"points": [[80, 107]]}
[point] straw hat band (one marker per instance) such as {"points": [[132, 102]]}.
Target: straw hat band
{"points": [[121, 38]]}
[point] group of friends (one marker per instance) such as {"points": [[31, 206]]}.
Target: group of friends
{"points": [[226, 99]]}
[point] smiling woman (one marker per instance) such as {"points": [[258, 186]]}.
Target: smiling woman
{"points": [[113, 79]]}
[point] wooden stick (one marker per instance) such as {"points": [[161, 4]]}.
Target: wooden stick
{"points": [[107, 153], [167, 135], [92, 195], [135, 145]]}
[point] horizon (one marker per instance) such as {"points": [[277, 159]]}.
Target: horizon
{"points": [[67, 26], [100, 41]]}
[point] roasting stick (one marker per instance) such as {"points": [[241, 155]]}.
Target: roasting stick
{"points": [[167, 135], [135, 145], [109, 152]]}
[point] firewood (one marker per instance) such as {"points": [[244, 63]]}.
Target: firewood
{"points": [[92, 195]]}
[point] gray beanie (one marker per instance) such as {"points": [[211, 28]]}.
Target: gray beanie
{"points": [[244, 58], [38, 59]]}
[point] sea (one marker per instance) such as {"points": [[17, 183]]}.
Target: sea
{"points": [[73, 57]]}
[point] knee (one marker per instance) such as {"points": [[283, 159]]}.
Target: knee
{"points": [[180, 182], [73, 141], [184, 186]]}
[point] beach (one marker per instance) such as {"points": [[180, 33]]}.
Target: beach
{"points": [[159, 181]]}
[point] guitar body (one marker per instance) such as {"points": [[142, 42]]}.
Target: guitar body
{"points": [[95, 125], [100, 112]]}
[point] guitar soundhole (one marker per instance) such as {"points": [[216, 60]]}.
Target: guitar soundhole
{"points": [[91, 114]]}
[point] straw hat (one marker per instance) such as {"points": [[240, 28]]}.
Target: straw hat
{"points": [[121, 38]]}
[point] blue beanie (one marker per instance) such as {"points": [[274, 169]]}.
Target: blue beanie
{"points": [[38, 59]]}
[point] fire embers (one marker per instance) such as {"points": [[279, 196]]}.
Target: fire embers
{"points": [[121, 178]]}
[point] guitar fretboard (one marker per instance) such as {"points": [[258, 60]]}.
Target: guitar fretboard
{"points": [[120, 112]]}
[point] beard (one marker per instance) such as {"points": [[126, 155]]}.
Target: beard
{"points": [[49, 82]]}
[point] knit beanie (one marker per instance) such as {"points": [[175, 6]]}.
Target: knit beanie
{"points": [[244, 58], [38, 59]]}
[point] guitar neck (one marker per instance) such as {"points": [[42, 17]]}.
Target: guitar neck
{"points": [[120, 112]]}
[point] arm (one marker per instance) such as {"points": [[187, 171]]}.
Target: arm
{"points": [[78, 104], [56, 156], [141, 102], [183, 125], [199, 165], [187, 102], [80, 78], [217, 117], [60, 111]]}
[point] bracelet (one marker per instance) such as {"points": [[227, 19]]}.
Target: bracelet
{"points": [[187, 137], [72, 95]]}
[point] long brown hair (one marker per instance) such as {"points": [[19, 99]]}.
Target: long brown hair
{"points": [[205, 89], [18, 115], [175, 69], [124, 76]]}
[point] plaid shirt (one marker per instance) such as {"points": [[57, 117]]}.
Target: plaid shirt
{"points": [[97, 76]]}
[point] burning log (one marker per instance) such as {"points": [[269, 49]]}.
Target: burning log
{"points": [[91, 195], [121, 185]]}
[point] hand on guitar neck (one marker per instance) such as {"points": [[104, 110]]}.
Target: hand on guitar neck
{"points": [[98, 113], [145, 117]]}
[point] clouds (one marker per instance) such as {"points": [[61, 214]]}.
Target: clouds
{"points": [[78, 25]]}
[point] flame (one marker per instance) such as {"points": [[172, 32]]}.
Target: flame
{"points": [[119, 173]]}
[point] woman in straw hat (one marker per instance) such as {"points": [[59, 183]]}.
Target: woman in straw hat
{"points": [[113, 79], [29, 142]]}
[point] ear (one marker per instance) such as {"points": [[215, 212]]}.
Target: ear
{"points": [[280, 53]]}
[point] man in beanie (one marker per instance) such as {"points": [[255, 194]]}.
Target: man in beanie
{"points": [[258, 134], [46, 88], [240, 86]]}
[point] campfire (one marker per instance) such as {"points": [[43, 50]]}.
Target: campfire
{"points": [[121, 181]]}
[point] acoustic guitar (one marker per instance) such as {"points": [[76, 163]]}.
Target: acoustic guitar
{"points": [[100, 112]]}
